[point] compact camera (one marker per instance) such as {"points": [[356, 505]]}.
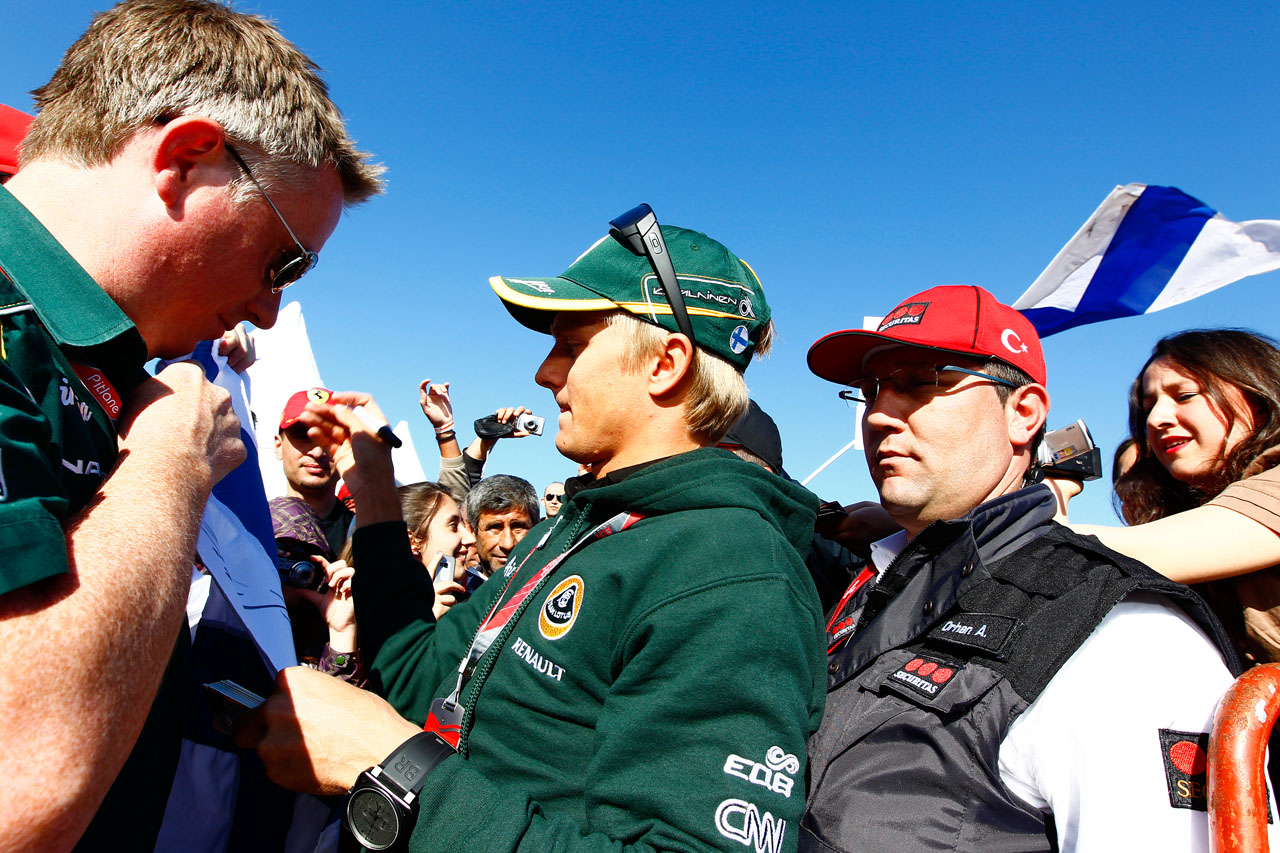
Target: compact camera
{"points": [[295, 567], [1069, 452], [491, 427]]}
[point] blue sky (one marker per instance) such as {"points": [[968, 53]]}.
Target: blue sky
{"points": [[854, 154]]}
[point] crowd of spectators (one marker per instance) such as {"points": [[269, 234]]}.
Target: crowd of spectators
{"points": [[680, 647]]}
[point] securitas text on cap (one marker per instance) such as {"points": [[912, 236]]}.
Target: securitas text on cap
{"points": [[298, 401], [724, 297], [958, 319]]}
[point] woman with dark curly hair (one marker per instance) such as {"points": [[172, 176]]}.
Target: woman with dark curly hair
{"points": [[1203, 495]]}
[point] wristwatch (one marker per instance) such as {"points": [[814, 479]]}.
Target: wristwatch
{"points": [[383, 803]]}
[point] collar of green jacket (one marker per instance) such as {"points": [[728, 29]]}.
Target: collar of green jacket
{"points": [[73, 308], [697, 480]]}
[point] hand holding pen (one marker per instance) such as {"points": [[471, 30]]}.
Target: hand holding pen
{"points": [[353, 430]]}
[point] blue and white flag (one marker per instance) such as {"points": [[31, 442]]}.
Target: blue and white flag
{"points": [[1145, 249], [236, 541], [240, 630]]}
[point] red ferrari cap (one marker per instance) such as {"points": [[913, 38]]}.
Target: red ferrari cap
{"points": [[298, 402], [13, 127], [959, 319]]}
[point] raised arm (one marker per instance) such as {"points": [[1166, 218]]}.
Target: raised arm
{"points": [[1201, 544]]}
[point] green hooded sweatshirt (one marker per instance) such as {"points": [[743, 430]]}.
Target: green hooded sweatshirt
{"points": [[654, 693]]}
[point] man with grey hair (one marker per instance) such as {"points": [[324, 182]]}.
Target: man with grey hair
{"points": [[185, 165], [500, 510]]}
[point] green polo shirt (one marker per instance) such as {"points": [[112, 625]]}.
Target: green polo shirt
{"points": [[57, 436], [57, 446]]}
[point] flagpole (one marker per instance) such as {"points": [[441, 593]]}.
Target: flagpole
{"points": [[841, 452]]}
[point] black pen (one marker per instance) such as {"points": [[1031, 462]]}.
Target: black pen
{"points": [[383, 429]]}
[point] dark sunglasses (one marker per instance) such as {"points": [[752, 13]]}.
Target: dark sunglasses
{"points": [[638, 230], [556, 498], [300, 264]]}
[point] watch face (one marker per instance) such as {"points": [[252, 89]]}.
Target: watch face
{"points": [[373, 818]]}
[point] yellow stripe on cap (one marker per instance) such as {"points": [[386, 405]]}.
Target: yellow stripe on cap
{"points": [[547, 303], [753, 273], [663, 308]]}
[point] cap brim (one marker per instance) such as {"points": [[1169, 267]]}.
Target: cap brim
{"points": [[534, 308], [839, 357]]}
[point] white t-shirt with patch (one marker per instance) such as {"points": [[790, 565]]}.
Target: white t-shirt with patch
{"points": [[1090, 750]]}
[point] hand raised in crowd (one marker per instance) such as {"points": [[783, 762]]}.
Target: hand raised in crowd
{"points": [[510, 413], [237, 345], [347, 731], [336, 604], [436, 404], [1064, 489], [448, 589], [181, 413], [503, 416]]}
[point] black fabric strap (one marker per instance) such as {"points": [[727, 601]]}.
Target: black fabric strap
{"points": [[1057, 589]]}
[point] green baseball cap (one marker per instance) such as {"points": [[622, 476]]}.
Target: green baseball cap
{"points": [[722, 293]]}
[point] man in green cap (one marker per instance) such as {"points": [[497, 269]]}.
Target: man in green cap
{"points": [[648, 667]]}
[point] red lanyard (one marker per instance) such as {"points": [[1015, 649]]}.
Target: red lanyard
{"points": [[839, 629], [446, 714]]}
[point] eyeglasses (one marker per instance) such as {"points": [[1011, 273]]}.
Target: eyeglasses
{"points": [[916, 384], [556, 498], [638, 230], [297, 266]]}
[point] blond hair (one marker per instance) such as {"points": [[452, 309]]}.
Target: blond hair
{"points": [[718, 395], [147, 61]]}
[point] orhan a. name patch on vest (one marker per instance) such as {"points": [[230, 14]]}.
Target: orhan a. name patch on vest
{"points": [[985, 631]]}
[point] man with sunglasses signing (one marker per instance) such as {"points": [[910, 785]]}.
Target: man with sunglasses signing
{"points": [[993, 676], [644, 672], [185, 164]]}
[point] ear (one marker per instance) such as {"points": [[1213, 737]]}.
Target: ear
{"points": [[279, 442], [1026, 411], [189, 152], [672, 363]]}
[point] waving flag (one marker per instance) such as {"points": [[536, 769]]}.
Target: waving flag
{"points": [[240, 631], [236, 542], [1144, 249]]}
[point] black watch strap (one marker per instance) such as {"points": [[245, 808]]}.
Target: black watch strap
{"points": [[408, 765]]}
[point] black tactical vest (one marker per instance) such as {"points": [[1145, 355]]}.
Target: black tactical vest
{"points": [[950, 649]]}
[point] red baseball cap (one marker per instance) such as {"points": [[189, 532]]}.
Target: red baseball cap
{"points": [[959, 319], [298, 402], [13, 127]]}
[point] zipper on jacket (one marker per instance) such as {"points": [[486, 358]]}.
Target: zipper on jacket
{"points": [[890, 583], [487, 662]]}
